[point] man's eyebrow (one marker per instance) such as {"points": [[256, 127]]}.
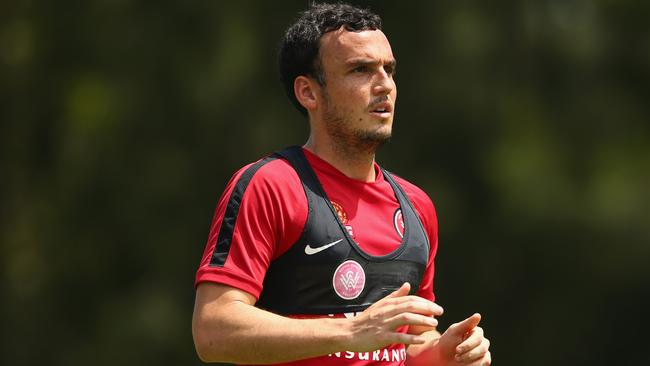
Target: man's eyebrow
{"points": [[369, 62]]}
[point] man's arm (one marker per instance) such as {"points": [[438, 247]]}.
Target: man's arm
{"points": [[227, 327]]}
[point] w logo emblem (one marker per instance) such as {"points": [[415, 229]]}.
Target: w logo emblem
{"points": [[349, 280]]}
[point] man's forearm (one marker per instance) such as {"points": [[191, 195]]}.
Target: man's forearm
{"points": [[227, 327], [240, 333]]}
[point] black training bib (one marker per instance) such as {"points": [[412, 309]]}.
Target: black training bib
{"points": [[325, 271]]}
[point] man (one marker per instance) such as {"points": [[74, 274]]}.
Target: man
{"points": [[316, 255]]}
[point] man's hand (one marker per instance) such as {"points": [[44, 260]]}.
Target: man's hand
{"points": [[378, 325], [463, 343]]}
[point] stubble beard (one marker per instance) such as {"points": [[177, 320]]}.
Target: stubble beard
{"points": [[352, 142]]}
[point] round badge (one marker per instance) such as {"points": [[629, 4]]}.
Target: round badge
{"points": [[349, 280]]}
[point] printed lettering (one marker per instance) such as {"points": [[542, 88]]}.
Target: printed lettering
{"points": [[375, 355], [385, 357], [395, 353]]}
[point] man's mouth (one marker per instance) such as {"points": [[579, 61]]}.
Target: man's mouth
{"points": [[383, 110]]}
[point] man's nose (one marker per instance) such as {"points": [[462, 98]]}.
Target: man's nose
{"points": [[384, 83]]}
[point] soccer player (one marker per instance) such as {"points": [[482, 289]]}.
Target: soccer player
{"points": [[316, 255]]}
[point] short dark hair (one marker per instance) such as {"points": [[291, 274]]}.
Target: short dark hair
{"points": [[300, 45]]}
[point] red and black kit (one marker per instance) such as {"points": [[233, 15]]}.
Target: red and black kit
{"points": [[307, 241]]}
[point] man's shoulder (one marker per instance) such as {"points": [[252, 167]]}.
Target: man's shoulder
{"points": [[267, 172]]}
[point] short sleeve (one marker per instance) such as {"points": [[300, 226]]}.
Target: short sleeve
{"points": [[258, 217]]}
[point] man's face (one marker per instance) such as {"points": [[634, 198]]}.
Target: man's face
{"points": [[359, 92]]}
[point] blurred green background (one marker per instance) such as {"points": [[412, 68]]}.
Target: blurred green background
{"points": [[527, 122]]}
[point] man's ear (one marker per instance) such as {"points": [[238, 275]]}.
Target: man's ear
{"points": [[306, 92]]}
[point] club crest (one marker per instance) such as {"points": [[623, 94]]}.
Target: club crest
{"points": [[349, 280], [343, 217]]}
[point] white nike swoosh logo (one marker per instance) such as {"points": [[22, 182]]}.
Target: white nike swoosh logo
{"points": [[309, 250]]}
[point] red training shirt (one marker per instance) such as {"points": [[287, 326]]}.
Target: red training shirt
{"points": [[271, 217]]}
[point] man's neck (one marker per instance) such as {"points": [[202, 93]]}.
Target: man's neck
{"points": [[359, 165]]}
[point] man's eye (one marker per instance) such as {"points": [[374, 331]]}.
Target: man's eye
{"points": [[389, 70], [360, 69]]}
